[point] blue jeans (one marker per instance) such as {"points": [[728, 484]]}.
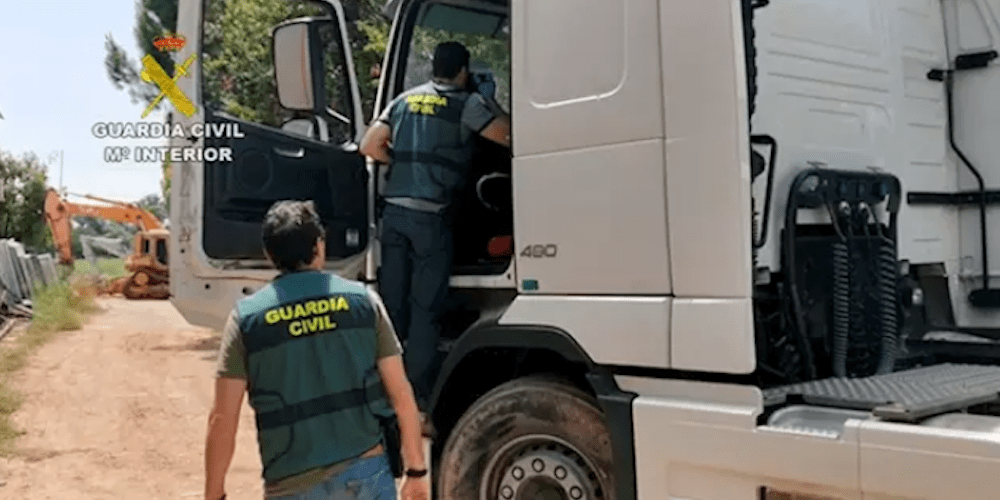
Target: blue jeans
{"points": [[367, 479], [413, 282]]}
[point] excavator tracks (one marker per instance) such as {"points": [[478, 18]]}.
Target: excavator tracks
{"points": [[147, 283]]}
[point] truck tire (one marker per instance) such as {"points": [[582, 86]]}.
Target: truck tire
{"points": [[534, 438]]}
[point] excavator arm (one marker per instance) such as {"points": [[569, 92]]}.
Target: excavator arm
{"points": [[149, 277], [59, 212]]}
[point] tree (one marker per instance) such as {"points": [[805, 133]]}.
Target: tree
{"points": [[154, 204], [238, 63], [153, 18], [369, 35], [22, 201], [245, 64], [239, 75]]}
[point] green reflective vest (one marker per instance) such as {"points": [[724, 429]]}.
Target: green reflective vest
{"points": [[431, 149], [311, 349]]}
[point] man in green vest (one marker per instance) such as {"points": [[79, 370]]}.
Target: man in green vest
{"points": [[426, 134], [319, 359]]}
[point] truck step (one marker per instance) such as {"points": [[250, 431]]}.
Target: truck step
{"points": [[905, 396]]}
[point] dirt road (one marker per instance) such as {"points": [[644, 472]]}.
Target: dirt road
{"points": [[118, 410]]}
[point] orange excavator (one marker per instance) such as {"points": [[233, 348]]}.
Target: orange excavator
{"points": [[147, 265]]}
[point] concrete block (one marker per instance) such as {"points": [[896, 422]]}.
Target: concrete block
{"points": [[13, 266], [36, 270], [49, 268], [8, 275], [21, 266]]}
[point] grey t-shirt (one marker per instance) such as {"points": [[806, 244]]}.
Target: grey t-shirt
{"points": [[476, 115]]}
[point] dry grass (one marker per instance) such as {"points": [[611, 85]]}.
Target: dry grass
{"points": [[57, 307]]}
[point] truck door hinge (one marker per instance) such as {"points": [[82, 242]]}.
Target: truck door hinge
{"points": [[964, 62]]}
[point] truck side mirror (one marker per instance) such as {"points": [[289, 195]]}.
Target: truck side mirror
{"points": [[294, 61], [314, 72]]}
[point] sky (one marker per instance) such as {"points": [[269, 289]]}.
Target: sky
{"points": [[54, 89]]}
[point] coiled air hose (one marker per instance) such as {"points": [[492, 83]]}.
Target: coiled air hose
{"points": [[841, 307], [841, 297], [888, 283]]}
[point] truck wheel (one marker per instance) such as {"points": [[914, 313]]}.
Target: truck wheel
{"points": [[529, 439]]}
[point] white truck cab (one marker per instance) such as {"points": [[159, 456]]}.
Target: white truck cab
{"points": [[739, 249]]}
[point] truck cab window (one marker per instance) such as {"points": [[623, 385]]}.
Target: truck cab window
{"points": [[338, 97], [238, 68], [281, 154], [486, 33], [484, 212]]}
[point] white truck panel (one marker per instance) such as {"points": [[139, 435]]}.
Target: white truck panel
{"points": [[586, 79], [697, 441], [712, 335], [604, 209], [707, 150], [899, 460], [631, 331], [846, 83], [700, 441], [974, 26]]}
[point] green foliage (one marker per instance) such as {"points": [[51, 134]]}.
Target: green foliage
{"points": [[91, 226], [56, 308], [493, 53], [22, 201], [369, 36], [239, 69], [154, 204], [110, 267], [239, 74], [238, 65], [99, 227], [153, 18], [77, 245]]}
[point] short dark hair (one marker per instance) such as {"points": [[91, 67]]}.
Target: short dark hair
{"points": [[291, 230], [449, 59]]}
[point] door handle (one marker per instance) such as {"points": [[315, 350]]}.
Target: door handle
{"points": [[291, 153]]}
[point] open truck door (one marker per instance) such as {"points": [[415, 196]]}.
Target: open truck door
{"points": [[308, 150], [275, 87]]}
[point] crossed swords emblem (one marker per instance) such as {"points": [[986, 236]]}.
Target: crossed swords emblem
{"points": [[152, 72]]}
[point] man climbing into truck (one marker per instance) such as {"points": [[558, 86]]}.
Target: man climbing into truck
{"points": [[426, 134]]}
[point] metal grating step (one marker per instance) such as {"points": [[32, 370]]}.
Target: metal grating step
{"points": [[907, 396]]}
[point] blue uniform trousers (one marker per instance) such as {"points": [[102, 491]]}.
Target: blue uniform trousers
{"points": [[366, 479], [413, 282]]}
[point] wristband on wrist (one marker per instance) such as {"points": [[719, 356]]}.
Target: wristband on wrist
{"points": [[416, 473]]}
